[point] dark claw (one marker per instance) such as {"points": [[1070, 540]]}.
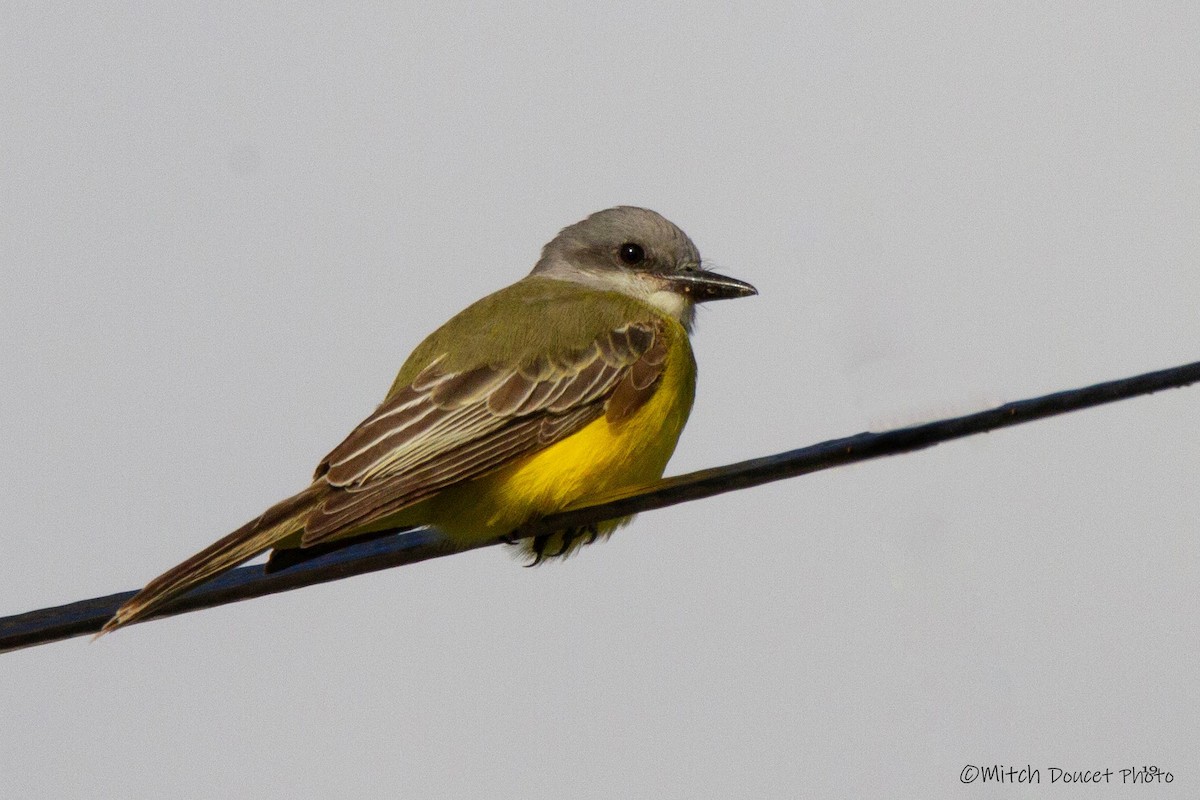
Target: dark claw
{"points": [[567, 537], [572, 535], [539, 549]]}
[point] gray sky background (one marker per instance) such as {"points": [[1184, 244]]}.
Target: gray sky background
{"points": [[221, 231]]}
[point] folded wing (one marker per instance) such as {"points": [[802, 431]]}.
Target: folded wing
{"points": [[446, 427]]}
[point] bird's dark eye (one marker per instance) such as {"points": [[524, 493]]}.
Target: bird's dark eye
{"points": [[632, 253]]}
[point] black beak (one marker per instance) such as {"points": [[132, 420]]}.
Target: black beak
{"points": [[702, 286]]}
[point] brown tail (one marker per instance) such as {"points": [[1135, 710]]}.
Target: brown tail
{"points": [[276, 523]]}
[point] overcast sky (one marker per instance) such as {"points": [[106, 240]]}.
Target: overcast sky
{"points": [[222, 230]]}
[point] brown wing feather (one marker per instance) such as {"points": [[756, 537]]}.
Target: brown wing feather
{"points": [[447, 428], [355, 508], [638, 382]]}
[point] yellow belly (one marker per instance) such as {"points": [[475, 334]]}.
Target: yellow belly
{"points": [[589, 464]]}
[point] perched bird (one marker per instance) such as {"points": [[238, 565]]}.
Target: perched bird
{"points": [[571, 383]]}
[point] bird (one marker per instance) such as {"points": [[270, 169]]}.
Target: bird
{"points": [[564, 387]]}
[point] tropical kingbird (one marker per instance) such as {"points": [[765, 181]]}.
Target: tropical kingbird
{"points": [[571, 383]]}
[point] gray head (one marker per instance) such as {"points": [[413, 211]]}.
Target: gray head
{"points": [[640, 253]]}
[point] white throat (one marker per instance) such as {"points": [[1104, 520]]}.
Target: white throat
{"points": [[642, 286]]}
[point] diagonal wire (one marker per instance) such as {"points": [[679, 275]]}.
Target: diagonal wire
{"points": [[408, 547]]}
